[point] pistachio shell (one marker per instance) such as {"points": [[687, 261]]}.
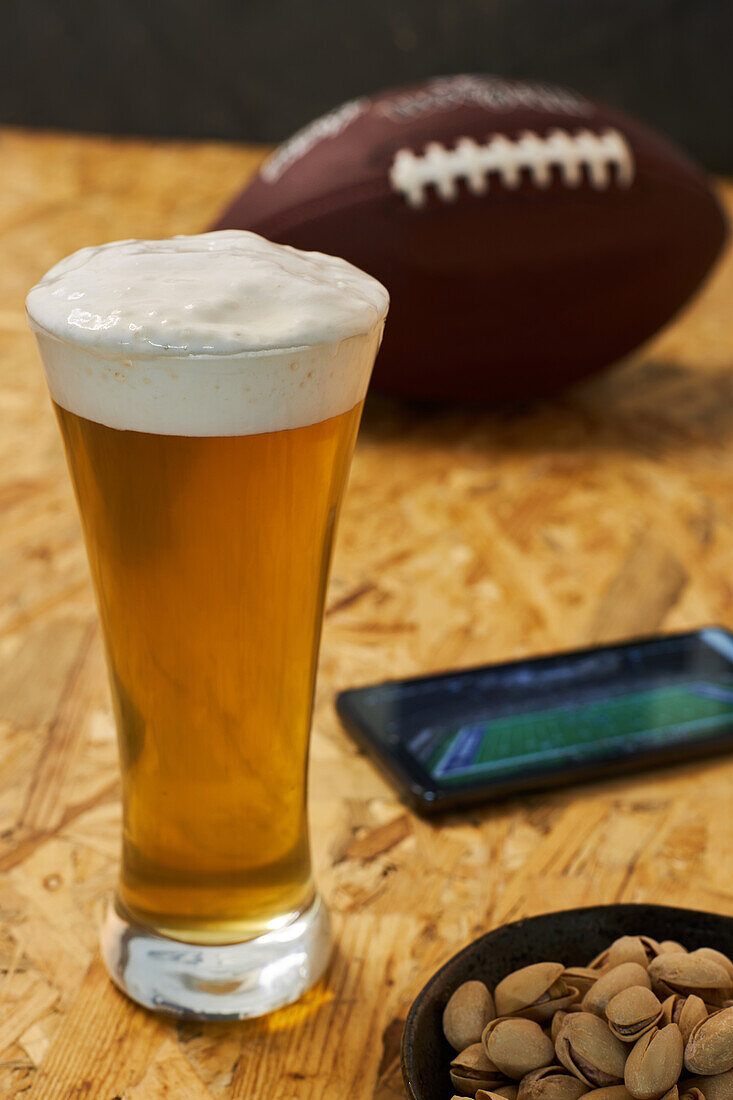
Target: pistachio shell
{"points": [[628, 949], [471, 1070], [717, 1087], [613, 1092], [467, 1086], [490, 1027], [670, 946], [557, 1020], [716, 956], [678, 973], [466, 1014], [517, 1046], [709, 1048], [716, 998], [690, 1014], [633, 1012], [551, 1083], [581, 977], [669, 1006], [586, 1046], [612, 982], [474, 1057], [523, 989], [685, 1012], [655, 1063], [563, 997], [503, 1092], [673, 1094], [692, 1094]]}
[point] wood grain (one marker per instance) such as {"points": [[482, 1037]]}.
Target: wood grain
{"points": [[465, 537]]}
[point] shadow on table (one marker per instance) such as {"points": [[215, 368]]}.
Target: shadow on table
{"points": [[653, 408], [631, 787]]}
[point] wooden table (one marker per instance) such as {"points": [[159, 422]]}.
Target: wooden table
{"points": [[464, 538]]}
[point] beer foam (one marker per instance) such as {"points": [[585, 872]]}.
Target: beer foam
{"points": [[222, 333]]}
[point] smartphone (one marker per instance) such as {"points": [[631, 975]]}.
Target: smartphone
{"points": [[458, 738]]}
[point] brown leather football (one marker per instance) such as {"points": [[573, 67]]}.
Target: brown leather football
{"points": [[527, 235]]}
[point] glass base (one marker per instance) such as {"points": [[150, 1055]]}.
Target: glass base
{"points": [[226, 982]]}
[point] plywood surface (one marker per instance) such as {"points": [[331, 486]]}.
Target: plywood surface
{"points": [[464, 538]]}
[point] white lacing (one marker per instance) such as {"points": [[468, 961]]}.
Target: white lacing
{"points": [[603, 158]]}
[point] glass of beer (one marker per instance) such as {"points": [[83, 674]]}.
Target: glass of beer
{"points": [[208, 391]]}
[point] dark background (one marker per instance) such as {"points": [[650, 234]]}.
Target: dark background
{"points": [[255, 70]]}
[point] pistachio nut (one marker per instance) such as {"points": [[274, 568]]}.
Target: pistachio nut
{"points": [[535, 991], [633, 1012], [612, 1092], [639, 949], [669, 1007], [586, 1046], [709, 1048], [692, 1094], [691, 973], [716, 956], [716, 1087], [685, 1012], [670, 946], [469, 1009], [517, 1046], [551, 1083], [580, 977], [612, 982], [655, 1063], [471, 1070]]}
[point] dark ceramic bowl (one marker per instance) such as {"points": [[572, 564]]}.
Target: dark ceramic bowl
{"points": [[572, 937]]}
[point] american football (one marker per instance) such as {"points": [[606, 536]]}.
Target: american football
{"points": [[528, 236]]}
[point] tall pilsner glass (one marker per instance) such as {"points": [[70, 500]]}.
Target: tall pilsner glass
{"points": [[208, 391]]}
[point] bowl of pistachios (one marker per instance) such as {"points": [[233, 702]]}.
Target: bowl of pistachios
{"points": [[613, 1002]]}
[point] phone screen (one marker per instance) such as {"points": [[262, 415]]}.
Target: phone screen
{"points": [[527, 720]]}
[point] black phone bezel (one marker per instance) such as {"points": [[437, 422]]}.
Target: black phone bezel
{"points": [[420, 791]]}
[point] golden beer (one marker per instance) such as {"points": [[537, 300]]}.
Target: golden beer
{"points": [[208, 390], [210, 558]]}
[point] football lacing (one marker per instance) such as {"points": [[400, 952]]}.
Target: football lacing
{"points": [[604, 158]]}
